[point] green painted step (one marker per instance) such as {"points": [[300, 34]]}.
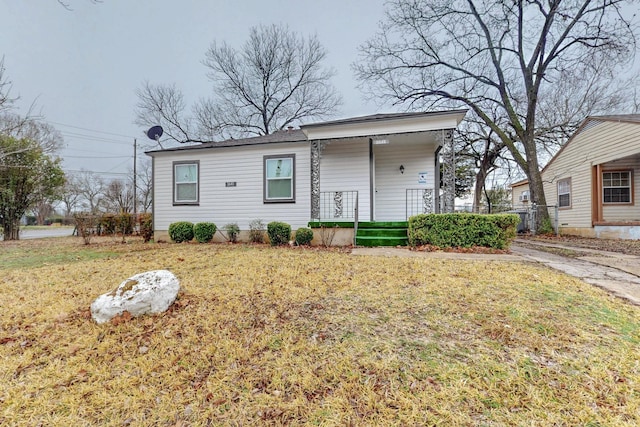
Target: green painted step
{"points": [[385, 224], [374, 241], [388, 233]]}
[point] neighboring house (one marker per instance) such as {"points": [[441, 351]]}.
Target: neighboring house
{"points": [[520, 196], [593, 179], [383, 167]]}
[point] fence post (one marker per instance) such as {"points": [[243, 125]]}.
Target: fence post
{"points": [[532, 220]]}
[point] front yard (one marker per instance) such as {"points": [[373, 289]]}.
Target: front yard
{"points": [[291, 336]]}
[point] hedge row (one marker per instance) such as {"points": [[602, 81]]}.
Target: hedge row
{"points": [[279, 232], [461, 230]]}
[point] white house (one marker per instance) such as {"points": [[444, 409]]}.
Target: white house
{"points": [[378, 168], [592, 179]]}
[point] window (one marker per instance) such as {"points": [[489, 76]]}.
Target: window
{"points": [[564, 193], [185, 183], [616, 187], [279, 177]]}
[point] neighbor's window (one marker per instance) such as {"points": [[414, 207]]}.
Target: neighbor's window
{"points": [[279, 177], [185, 182], [564, 193], [616, 187]]}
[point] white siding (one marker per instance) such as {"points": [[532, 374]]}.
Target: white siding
{"points": [[344, 166], [605, 143], [241, 204], [417, 156]]}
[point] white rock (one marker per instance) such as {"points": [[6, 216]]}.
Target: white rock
{"points": [[148, 292]]}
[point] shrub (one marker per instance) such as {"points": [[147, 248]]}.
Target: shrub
{"points": [[279, 233], [463, 230], [124, 224], [86, 225], [107, 224], [146, 226], [327, 233], [546, 227], [181, 231], [256, 231], [233, 231], [304, 236], [204, 231]]}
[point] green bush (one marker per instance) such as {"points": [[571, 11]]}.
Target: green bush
{"points": [[463, 230], [233, 231], [546, 227], [304, 236], [204, 231], [146, 226], [107, 224], [279, 233], [181, 231], [256, 231]]}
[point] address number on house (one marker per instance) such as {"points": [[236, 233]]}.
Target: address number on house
{"points": [[231, 184]]}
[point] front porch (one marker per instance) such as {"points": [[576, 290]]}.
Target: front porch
{"points": [[339, 210]]}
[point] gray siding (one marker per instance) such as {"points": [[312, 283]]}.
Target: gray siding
{"points": [[241, 204]]}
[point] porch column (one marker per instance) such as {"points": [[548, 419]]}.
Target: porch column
{"points": [[316, 148], [448, 171]]}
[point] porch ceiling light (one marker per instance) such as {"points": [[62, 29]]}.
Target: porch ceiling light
{"points": [[380, 141]]}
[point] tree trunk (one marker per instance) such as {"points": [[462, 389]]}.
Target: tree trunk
{"points": [[536, 188], [11, 230], [481, 177]]}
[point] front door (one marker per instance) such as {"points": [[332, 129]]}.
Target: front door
{"points": [[405, 163]]}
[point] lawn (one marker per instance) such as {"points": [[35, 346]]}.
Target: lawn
{"points": [[293, 336]]}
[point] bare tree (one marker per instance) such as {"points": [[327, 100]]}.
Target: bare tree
{"points": [[91, 187], [6, 101], [164, 105], [71, 195], [118, 197], [275, 80], [496, 56], [144, 183], [42, 210]]}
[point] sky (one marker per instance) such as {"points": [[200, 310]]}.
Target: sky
{"points": [[81, 67]]}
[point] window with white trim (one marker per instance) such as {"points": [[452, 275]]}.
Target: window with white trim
{"points": [[564, 193], [186, 182], [616, 187], [279, 178]]}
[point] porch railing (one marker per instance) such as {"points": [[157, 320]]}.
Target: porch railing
{"points": [[340, 206], [420, 201]]}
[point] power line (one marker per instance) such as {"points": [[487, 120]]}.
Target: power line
{"points": [[93, 138], [90, 130], [96, 157], [76, 171], [69, 149]]}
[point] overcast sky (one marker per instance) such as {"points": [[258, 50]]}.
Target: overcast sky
{"points": [[82, 66]]}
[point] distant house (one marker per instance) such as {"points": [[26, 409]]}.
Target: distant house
{"points": [[379, 168], [593, 179]]}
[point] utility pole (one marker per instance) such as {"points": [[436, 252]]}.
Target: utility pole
{"points": [[135, 177]]}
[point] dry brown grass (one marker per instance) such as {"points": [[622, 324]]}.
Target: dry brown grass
{"points": [[264, 336]]}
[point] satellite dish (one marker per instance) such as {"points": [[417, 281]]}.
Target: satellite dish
{"points": [[155, 133]]}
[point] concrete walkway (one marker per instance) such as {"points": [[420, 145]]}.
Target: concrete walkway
{"points": [[615, 272]]}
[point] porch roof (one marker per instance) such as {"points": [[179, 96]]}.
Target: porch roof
{"points": [[384, 124]]}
